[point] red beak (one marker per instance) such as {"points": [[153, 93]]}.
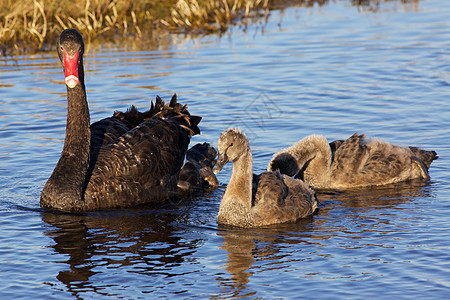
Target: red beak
{"points": [[71, 69]]}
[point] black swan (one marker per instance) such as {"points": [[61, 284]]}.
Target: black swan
{"points": [[125, 160], [355, 162], [258, 200]]}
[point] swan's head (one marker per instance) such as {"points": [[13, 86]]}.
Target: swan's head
{"points": [[284, 163], [233, 143], [70, 48]]}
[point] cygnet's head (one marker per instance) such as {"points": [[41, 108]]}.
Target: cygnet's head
{"points": [[233, 143]]}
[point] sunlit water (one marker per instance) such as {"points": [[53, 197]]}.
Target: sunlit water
{"points": [[330, 70]]}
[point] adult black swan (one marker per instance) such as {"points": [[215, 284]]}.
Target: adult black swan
{"points": [[125, 160]]}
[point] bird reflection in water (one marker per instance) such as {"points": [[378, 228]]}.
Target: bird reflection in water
{"points": [[350, 214], [144, 241]]}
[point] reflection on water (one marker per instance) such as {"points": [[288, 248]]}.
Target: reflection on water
{"points": [[240, 246], [256, 250], [390, 195], [283, 246], [368, 211], [153, 242], [148, 242]]}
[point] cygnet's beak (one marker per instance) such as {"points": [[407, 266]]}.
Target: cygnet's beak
{"points": [[222, 160]]}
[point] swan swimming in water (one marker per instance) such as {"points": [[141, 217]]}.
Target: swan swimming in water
{"points": [[355, 162], [125, 160], [251, 200]]}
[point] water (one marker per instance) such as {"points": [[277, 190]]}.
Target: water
{"points": [[330, 70]]}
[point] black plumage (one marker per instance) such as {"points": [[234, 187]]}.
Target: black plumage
{"points": [[125, 160], [197, 174]]}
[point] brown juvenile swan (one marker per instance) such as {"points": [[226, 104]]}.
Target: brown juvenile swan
{"points": [[272, 198], [128, 159], [355, 162]]}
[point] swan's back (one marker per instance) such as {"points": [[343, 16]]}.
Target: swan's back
{"points": [[141, 164], [361, 162], [279, 198], [350, 156], [108, 130], [269, 189]]}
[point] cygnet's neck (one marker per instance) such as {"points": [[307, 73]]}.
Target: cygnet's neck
{"points": [[315, 151], [235, 207], [240, 185]]}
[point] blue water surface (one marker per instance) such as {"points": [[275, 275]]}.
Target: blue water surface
{"points": [[333, 70]]}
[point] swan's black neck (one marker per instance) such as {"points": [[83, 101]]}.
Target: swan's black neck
{"points": [[65, 188], [78, 133]]}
